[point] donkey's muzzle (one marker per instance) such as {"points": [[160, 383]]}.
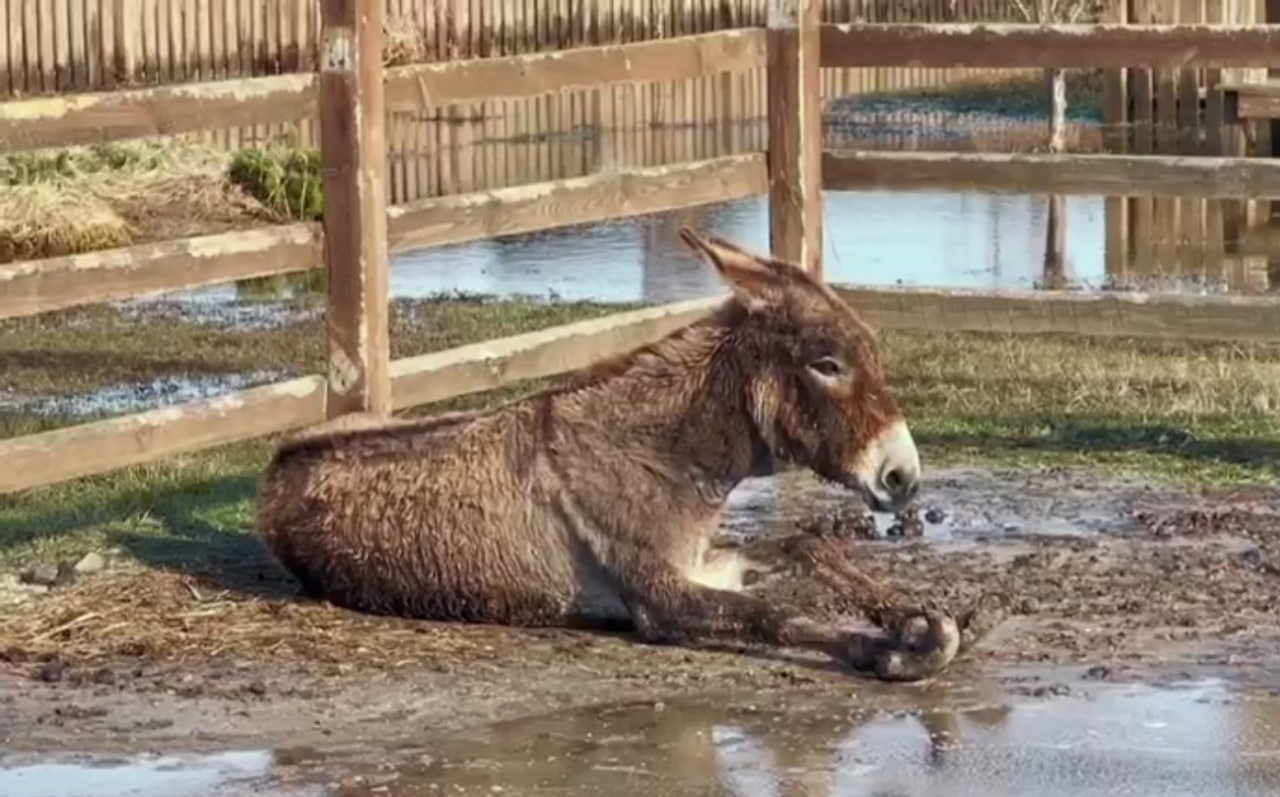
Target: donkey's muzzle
{"points": [[890, 472]]}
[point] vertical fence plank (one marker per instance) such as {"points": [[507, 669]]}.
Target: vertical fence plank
{"points": [[795, 133], [7, 87], [353, 154]]}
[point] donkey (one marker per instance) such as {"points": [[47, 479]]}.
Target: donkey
{"points": [[593, 505]]}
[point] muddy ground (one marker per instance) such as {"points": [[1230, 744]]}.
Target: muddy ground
{"points": [[1116, 581]]}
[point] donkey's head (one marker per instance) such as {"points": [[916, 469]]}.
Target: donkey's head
{"points": [[811, 375]]}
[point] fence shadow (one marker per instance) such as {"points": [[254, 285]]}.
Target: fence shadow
{"points": [[1083, 436], [178, 534]]}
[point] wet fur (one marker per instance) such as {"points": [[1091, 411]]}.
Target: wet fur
{"points": [[594, 504]]}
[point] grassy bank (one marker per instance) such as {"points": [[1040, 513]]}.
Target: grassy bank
{"points": [[1200, 412], [1020, 96]]}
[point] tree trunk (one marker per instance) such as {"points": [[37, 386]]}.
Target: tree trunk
{"points": [[1055, 233], [1058, 116]]}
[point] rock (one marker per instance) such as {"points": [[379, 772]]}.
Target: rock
{"points": [[1098, 672], [52, 671], [104, 675], [43, 575], [91, 562], [934, 515], [66, 575]]}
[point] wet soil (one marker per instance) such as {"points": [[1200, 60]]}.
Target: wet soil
{"points": [[1116, 582]]}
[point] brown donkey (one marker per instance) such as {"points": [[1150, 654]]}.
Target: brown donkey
{"points": [[594, 505]]}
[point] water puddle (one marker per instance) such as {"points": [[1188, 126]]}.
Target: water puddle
{"points": [[943, 239], [137, 396], [144, 776], [1193, 739]]}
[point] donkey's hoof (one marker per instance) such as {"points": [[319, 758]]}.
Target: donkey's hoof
{"points": [[862, 651], [924, 648]]}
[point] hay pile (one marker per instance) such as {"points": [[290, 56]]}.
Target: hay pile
{"points": [[170, 618], [45, 220], [88, 199]]}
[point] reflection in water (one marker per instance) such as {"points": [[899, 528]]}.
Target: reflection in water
{"points": [[931, 740], [1125, 741], [940, 239], [937, 239], [875, 238]]}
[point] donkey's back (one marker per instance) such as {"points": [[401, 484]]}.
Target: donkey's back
{"points": [[439, 519]]}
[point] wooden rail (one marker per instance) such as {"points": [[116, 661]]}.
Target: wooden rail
{"points": [[41, 286], [169, 110], [1106, 175], [1250, 101], [56, 283], [89, 448], [1038, 46], [526, 208]]}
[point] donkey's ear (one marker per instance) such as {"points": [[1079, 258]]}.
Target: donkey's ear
{"points": [[756, 282]]}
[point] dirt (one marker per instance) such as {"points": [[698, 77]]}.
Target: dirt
{"points": [[1114, 581]]}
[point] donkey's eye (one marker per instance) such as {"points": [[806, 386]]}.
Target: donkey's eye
{"points": [[827, 366]]}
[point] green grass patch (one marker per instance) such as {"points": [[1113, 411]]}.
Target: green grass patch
{"points": [[1022, 95], [1196, 413], [283, 177], [31, 168]]}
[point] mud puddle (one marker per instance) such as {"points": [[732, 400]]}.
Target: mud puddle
{"points": [[961, 506], [1193, 738], [1121, 740]]}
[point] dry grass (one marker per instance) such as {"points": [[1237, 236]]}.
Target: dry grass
{"points": [[88, 199], [174, 618], [43, 220], [403, 41], [949, 376]]}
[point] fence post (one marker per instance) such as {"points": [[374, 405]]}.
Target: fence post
{"points": [[353, 155], [795, 132]]}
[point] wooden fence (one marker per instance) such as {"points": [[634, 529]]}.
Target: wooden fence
{"points": [[358, 231], [57, 46]]}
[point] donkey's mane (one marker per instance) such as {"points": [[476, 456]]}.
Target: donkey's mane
{"points": [[400, 435]]}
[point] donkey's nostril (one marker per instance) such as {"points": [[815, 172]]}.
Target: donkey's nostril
{"points": [[900, 483]]}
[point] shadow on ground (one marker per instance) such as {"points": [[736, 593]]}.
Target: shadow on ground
{"points": [[1083, 437], [175, 533]]}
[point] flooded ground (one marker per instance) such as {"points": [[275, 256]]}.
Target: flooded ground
{"points": [[1191, 739], [877, 238], [1142, 659]]}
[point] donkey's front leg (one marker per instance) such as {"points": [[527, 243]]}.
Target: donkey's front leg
{"points": [[916, 642], [668, 607]]}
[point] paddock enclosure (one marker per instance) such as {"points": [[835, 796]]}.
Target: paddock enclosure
{"points": [[1187, 158]]}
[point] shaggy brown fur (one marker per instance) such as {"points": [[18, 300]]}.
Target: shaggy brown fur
{"points": [[595, 504]]}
